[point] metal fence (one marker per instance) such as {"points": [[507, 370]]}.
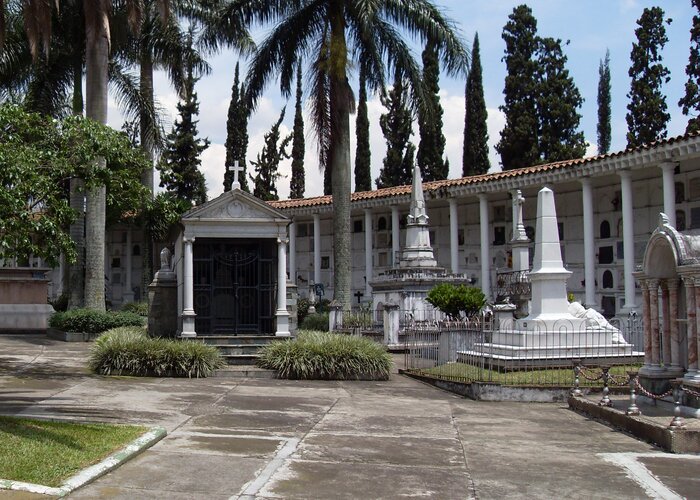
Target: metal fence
{"points": [[479, 351]]}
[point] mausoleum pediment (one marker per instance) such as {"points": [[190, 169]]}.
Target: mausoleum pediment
{"points": [[235, 205]]}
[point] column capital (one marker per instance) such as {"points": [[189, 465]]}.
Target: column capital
{"points": [[668, 165], [672, 283], [188, 239], [653, 283], [688, 281], [624, 174], [585, 181], [367, 211], [282, 241], [483, 196]]}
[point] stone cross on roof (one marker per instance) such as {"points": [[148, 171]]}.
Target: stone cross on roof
{"points": [[236, 168]]}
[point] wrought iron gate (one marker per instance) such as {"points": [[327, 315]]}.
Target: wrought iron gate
{"points": [[234, 287]]}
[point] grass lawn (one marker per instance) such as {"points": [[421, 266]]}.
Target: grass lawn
{"points": [[48, 453], [545, 376]]}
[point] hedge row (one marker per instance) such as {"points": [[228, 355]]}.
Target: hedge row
{"points": [[91, 321]]}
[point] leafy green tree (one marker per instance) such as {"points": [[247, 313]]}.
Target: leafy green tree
{"points": [[334, 35], [431, 147], [236, 134], [647, 114], [179, 165], [38, 156], [268, 160], [475, 157], [690, 102], [297, 183], [363, 174], [558, 102], [604, 126], [518, 146], [397, 127]]}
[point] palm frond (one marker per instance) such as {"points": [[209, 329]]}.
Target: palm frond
{"points": [[320, 101]]}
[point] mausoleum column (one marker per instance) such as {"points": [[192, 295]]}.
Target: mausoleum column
{"points": [[588, 241], [691, 326], [368, 253], [628, 239], [454, 236], [694, 349], [646, 321], [665, 324], [673, 322], [188, 314], [317, 248], [128, 294], [293, 252], [395, 236], [654, 319], [668, 169], [485, 258], [282, 315]]}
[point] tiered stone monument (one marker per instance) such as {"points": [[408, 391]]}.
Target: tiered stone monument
{"points": [[404, 288], [551, 333]]}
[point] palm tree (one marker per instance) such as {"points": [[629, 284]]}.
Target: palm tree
{"points": [[333, 35]]}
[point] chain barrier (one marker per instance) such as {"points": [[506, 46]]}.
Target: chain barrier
{"points": [[582, 371], [690, 391], [649, 394]]}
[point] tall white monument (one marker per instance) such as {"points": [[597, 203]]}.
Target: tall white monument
{"points": [[418, 253]]}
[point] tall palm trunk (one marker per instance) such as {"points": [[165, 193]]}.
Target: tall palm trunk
{"points": [[75, 272], [340, 104], [146, 70], [97, 59]]}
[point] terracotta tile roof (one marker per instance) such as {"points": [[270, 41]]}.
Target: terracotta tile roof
{"points": [[474, 179]]}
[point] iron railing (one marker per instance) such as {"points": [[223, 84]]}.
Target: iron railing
{"points": [[479, 351]]}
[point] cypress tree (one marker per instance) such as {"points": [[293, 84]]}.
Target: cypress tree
{"points": [[475, 157], [363, 175], [180, 161], [268, 161], [236, 134], [690, 102], [604, 127], [518, 146], [647, 114], [297, 182], [396, 125], [557, 103], [431, 147]]}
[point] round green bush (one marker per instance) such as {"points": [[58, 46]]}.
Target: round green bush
{"points": [[91, 321], [140, 308], [129, 351], [317, 322], [327, 356], [456, 300]]}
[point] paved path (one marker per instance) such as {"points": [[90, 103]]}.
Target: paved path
{"points": [[253, 438]]}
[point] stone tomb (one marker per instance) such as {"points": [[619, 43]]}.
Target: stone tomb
{"points": [[551, 334], [670, 281], [230, 262]]}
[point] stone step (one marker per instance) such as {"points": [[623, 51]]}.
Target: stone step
{"points": [[237, 339], [244, 371], [240, 359], [225, 349]]}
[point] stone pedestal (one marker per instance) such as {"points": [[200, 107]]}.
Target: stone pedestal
{"points": [[23, 300], [292, 307], [162, 300], [391, 324]]}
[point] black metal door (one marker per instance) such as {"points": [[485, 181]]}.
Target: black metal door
{"points": [[234, 287]]}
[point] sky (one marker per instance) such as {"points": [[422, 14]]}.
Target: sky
{"points": [[591, 27]]}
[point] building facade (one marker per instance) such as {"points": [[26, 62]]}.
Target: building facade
{"points": [[607, 208]]}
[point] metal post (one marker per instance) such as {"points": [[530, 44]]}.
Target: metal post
{"points": [[576, 391], [677, 422], [633, 409], [605, 400]]}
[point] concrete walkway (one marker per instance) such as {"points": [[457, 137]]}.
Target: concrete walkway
{"points": [[258, 438]]}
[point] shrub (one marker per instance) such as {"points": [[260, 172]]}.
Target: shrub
{"points": [[303, 305], [456, 300], [317, 322], [140, 308], [129, 351], [327, 356], [91, 321], [61, 303]]}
